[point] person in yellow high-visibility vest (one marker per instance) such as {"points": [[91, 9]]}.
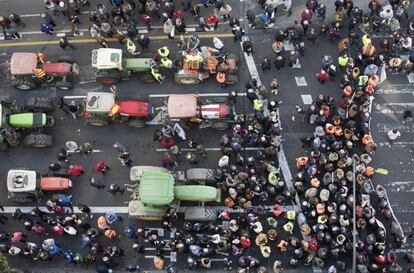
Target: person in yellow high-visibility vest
{"points": [[40, 73], [167, 63], [257, 105], [132, 47], [157, 75]]}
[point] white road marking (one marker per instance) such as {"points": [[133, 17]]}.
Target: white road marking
{"points": [[297, 64], [141, 31], [77, 152], [201, 95], [301, 81], [307, 99]]}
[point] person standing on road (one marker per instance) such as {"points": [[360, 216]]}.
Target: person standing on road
{"points": [[407, 116], [101, 167], [16, 20], [52, 7], [393, 135], [47, 28], [101, 40], [5, 24], [143, 41], [76, 170], [85, 148], [119, 147], [125, 159], [64, 43]]}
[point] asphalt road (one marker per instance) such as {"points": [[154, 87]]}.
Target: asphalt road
{"points": [[144, 151]]}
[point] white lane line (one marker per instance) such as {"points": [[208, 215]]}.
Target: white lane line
{"points": [[38, 14], [77, 152], [201, 95], [301, 81], [395, 90], [307, 99]]}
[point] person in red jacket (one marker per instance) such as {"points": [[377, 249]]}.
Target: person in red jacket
{"points": [[306, 15], [322, 76], [75, 170], [101, 167]]}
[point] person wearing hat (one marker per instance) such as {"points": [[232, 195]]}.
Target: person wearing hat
{"points": [[322, 76]]}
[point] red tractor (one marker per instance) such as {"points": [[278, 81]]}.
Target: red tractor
{"points": [[215, 113], [102, 107], [30, 70]]}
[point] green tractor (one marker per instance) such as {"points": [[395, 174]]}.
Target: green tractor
{"points": [[25, 122], [111, 67], [156, 192]]}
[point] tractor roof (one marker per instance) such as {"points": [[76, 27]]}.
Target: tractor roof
{"points": [[21, 181], [156, 188], [99, 102], [182, 106], [106, 58], [23, 63]]}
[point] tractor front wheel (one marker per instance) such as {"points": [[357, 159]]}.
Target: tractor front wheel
{"points": [[24, 83], [186, 79], [96, 121], [38, 140]]}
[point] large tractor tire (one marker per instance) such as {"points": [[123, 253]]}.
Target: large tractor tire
{"points": [[39, 104], [38, 140], [232, 79], [186, 78], [220, 125], [136, 123], [24, 83], [65, 59], [96, 121], [6, 100], [64, 85]]}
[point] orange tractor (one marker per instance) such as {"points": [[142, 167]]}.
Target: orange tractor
{"points": [[194, 66]]}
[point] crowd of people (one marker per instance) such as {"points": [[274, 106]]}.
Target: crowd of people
{"points": [[336, 161]]}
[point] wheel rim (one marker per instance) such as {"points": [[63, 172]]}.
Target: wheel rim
{"points": [[24, 86], [188, 81]]}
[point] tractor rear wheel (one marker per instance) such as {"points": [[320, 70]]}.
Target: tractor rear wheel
{"points": [[187, 80], [6, 100], [96, 121], [108, 80], [136, 123], [24, 83], [39, 104], [232, 79], [38, 140], [220, 125], [64, 85], [65, 59]]}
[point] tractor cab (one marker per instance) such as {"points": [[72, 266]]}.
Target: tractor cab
{"points": [[107, 58], [99, 102], [182, 106], [23, 63]]}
